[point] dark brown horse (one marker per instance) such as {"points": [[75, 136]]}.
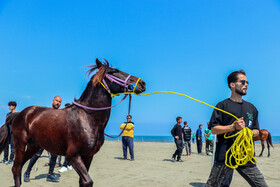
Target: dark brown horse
{"points": [[74, 132], [263, 136]]}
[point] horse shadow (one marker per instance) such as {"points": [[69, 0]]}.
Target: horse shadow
{"points": [[41, 176], [197, 184]]}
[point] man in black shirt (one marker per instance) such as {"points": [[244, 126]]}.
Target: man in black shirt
{"points": [[10, 116], [222, 123], [177, 133], [187, 134]]}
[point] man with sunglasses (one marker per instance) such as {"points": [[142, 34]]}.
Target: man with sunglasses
{"points": [[222, 123], [127, 137]]}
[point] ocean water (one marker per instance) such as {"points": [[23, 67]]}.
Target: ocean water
{"points": [[275, 139]]}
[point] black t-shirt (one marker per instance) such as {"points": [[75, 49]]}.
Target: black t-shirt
{"points": [[187, 133], [10, 117], [177, 131], [245, 109]]}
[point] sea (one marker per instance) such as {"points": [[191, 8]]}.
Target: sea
{"points": [[168, 139]]}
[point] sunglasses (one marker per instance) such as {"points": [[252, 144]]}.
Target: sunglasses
{"points": [[243, 82]]}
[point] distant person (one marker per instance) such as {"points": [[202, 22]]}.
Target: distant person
{"points": [[12, 114], [177, 133], [187, 133], [65, 166], [209, 141], [222, 123], [51, 176], [199, 139], [127, 137], [193, 137]]}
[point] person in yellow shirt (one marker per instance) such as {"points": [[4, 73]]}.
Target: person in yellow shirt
{"points": [[127, 137]]}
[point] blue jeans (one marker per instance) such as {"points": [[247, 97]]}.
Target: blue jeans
{"points": [[127, 141]]}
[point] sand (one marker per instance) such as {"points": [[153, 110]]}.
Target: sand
{"points": [[152, 167]]}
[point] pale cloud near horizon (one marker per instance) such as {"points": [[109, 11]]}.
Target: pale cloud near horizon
{"points": [[26, 97]]}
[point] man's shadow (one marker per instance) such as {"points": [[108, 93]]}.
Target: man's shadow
{"points": [[168, 160]]}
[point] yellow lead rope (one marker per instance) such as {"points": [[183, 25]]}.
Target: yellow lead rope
{"points": [[242, 150]]}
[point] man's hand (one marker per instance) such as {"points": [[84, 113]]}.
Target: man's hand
{"points": [[239, 124], [198, 138], [176, 137], [255, 132]]}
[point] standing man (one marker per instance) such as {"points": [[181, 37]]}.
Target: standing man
{"points": [[187, 134], [51, 176], [193, 137], [222, 123], [12, 107], [177, 133], [208, 140], [127, 137], [199, 139]]}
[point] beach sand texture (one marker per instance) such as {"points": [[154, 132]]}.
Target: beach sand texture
{"points": [[152, 167]]}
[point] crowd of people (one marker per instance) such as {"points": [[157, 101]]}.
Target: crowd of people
{"points": [[184, 135]]}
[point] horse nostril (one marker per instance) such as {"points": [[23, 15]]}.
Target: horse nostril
{"points": [[143, 83]]}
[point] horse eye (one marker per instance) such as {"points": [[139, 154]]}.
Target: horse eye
{"points": [[113, 71]]}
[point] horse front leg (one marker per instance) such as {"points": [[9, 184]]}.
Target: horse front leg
{"points": [[80, 167]]}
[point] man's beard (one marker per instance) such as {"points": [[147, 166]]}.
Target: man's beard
{"points": [[56, 106], [240, 91]]}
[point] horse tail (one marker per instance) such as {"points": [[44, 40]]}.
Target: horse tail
{"points": [[5, 136], [269, 139]]}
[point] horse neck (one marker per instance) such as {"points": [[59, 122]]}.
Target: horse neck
{"points": [[95, 96]]}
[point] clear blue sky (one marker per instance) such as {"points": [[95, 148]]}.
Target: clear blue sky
{"points": [[184, 46]]}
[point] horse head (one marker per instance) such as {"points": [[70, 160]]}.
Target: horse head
{"points": [[114, 80]]}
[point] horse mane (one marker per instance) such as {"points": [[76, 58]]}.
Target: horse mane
{"points": [[100, 74]]}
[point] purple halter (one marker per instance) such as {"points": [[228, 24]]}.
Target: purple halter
{"points": [[116, 80], [112, 79]]}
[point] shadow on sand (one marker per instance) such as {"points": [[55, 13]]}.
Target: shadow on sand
{"points": [[168, 160], [197, 184], [41, 176]]}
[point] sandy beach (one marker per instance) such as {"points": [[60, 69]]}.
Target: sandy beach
{"points": [[152, 167]]}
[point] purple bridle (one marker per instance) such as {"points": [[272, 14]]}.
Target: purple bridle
{"points": [[112, 79], [116, 80]]}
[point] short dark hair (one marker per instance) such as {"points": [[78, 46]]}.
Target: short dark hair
{"points": [[200, 125], [129, 116], [185, 122], [233, 76], [12, 103], [177, 119]]}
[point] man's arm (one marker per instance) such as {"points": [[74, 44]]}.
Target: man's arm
{"points": [[219, 129]]}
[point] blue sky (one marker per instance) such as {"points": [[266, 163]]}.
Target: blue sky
{"points": [[183, 46]]}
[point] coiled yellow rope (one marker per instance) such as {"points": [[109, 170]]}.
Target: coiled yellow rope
{"points": [[241, 151]]}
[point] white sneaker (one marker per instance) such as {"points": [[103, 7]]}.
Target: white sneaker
{"points": [[63, 169], [210, 154], [69, 167]]}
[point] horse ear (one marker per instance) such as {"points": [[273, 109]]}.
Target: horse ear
{"points": [[98, 63]]}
